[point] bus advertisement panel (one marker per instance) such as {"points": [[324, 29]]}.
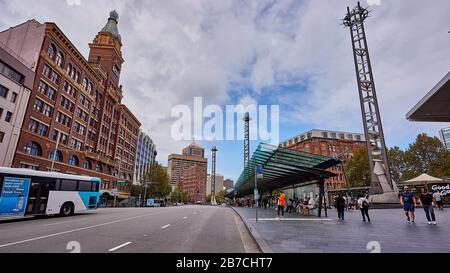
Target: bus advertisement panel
{"points": [[14, 196]]}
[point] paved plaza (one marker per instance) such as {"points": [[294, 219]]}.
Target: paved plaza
{"points": [[296, 234]]}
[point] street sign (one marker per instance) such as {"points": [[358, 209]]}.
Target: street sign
{"points": [[256, 194], [259, 169]]}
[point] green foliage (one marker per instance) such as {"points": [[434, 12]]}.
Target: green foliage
{"points": [[357, 169], [179, 196], [157, 181], [425, 155]]}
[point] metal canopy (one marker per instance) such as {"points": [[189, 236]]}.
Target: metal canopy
{"points": [[434, 107], [283, 167]]}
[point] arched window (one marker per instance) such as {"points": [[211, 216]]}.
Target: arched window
{"points": [[73, 161], [32, 148], [69, 69], [55, 155], [59, 59], [77, 76], [90, 87], [85, 83], [51, 51], [110, 171], [87, 165], [98, 168]]}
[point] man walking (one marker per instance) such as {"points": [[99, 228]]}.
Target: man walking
{"points": [[438, 198], [363, 204], [281, 203], [408, 201], [340, 206], [427, 201]]}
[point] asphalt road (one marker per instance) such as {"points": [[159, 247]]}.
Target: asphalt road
{"points": [[186, 229]]}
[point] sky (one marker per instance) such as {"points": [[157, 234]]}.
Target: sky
{"points": [[291, 53]]}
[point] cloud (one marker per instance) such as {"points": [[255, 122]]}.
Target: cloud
{"points": [[292, 52]]}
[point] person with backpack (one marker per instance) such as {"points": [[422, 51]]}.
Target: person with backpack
{"points": [[364, 205]]}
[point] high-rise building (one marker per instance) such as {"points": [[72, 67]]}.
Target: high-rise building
{"points": [[194, 183], [340, 145], [445, 137], [219, 184], [145, 156], [228, 184], [75, 121], [16, 82], [193, 155]]}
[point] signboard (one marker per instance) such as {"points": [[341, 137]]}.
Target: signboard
{"points": [[114, 192], [256, 194], [444, 189], [150, 202], [259, 169], [14, 196]]}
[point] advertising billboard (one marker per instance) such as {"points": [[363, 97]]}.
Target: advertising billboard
{"points": [[14, 196]]}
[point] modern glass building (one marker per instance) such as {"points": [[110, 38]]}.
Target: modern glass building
{"points": [[445, 136], [145, 156]]}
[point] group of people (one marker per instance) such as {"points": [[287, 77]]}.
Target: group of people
{"points": [[294, 204], [427, 200], [408, 200]]}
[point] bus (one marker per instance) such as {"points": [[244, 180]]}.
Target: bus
{"points": [[26, 192]]}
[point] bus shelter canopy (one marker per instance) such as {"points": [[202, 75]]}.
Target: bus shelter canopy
{"points": [[281, 168]]}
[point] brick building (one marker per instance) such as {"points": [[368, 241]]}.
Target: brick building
{"points": [[194, 183], [331, 144], [75, 122], [178, 165]]}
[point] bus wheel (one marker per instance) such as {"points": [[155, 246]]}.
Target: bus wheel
{"points": [[67, 209]]}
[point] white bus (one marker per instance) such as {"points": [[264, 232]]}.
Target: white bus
{"points": [[26, 192]]}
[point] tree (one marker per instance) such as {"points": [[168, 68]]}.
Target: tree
{"points": [[397, 163], [178, 195], [426, 155], [220, 197], [357, 169], [157, 181]]}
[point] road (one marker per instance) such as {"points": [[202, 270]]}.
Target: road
{"points": [[185, 229]]}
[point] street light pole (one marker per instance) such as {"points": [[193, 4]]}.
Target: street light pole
{"points": [[146, 184], [118, 177], [54, 151]]}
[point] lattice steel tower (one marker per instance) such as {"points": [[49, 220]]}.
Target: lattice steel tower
{"points": [[247, 139], [373, 129], [213, 175]]}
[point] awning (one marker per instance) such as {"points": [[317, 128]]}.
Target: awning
{"points": [[283, 167], [434, 107], [423, 179]]}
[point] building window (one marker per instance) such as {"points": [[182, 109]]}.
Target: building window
{"points": [[47, 110], [87, 165], [2, 135], [38, 104], [46, 71], [8, 116], [32, 148], [56, 156], [55, 77], [26, 166], [98, 168], [14, 97], [42, 130], [73, 161], [3, 91], [51, 51], [59, 59], [76, 144], [85, 83]]}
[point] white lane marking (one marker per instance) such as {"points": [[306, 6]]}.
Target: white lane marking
{"points": [[185, 217], [75, 230], [119, 247], [288, 219], [166, 226], [145, 235], [61, 223]]}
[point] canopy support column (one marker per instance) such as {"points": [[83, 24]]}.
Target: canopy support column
{"points": [[322, 197]]}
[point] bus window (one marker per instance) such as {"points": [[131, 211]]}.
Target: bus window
{"points": [[84, 186], [68, 185], [58, 185], [95, 187]]}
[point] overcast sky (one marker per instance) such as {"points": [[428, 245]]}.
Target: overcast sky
{"points": [[292, 53]]}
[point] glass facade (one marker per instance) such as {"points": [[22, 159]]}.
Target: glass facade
{"points": [[145, 156]]}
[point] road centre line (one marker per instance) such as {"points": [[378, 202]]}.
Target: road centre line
{"points": [[119, 247], [75, 230]]}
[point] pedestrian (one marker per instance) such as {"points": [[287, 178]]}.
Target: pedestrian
{"points": [[281, 203], [266, 202], [349, 203], [364, 205], [426, 200], [340, 206], [408, 201], [438, 198]]}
